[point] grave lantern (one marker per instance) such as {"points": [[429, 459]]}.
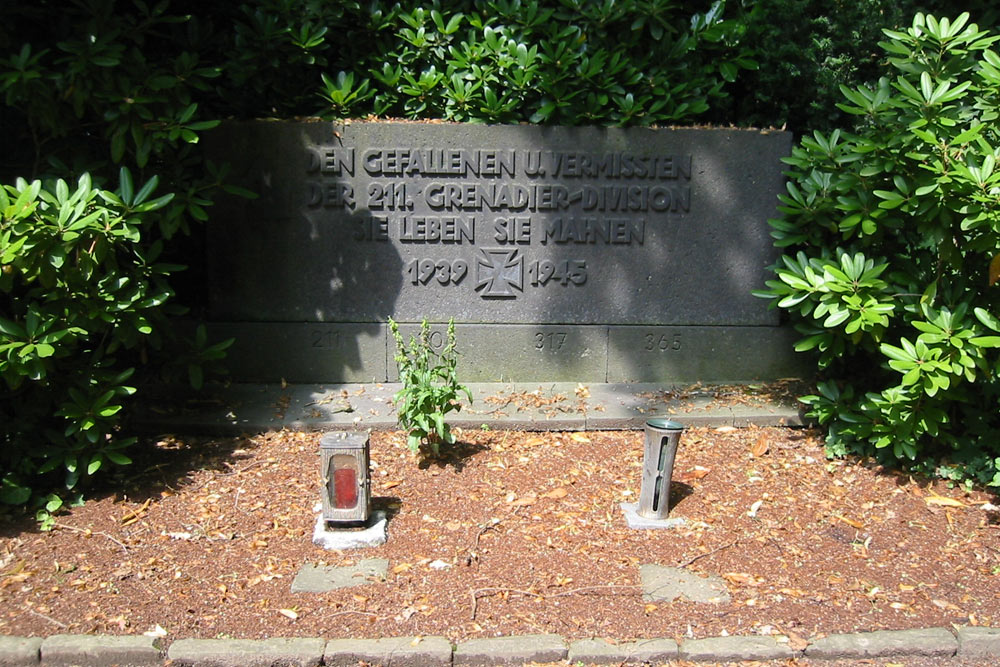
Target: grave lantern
{"points": [[659, 449], [344, 470]]}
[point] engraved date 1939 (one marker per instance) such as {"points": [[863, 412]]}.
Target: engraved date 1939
{"points": [[422, 271]]}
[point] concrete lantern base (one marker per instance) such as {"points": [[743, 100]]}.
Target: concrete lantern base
{"points": [[372, 534], [632, 518]]}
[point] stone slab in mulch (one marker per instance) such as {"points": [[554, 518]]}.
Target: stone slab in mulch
{"points": [[100, 650], [606, 652], [20, 650], [735, 648], [320, 579], [510, 650], [662, 583], [979, 642], [247, 652], [926, 642], [397, 651]]}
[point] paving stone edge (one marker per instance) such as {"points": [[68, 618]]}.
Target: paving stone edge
{"points": [[963, 642]]}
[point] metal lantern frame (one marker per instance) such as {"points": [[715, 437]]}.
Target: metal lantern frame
{"points": [[659, 450], [344, 459]]}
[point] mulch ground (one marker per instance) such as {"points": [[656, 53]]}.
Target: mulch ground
{"points": [[512, 533]]}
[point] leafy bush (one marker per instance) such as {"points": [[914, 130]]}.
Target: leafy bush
{"points": [[807, 49], [502, 61], [93, 91], [570, 62], [77, 289], [430, 388], [894, 241]]}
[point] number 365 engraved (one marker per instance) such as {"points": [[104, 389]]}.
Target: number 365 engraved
{"points": [[662, 342]]}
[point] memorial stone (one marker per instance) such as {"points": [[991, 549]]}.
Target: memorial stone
{"points": [[562, 253]]}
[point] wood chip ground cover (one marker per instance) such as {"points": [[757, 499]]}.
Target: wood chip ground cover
{"points": [[515, 533]]}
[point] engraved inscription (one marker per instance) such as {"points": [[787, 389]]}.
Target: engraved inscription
{"points": [[570, 271], [330, 195], [514, 198], [432, 229], [437, 340], [331, 160], [325, 338], [552, 341], [391, 196], [445, 272], [374, 228], [499, 272], [438, 162], [594, 230], [512, 230], [654, 342]]}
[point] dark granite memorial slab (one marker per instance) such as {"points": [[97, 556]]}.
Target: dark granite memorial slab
{"points": [[312, 352], [583, 241], [523, 353], [706, 354]]}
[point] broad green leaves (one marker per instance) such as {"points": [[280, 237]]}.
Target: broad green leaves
{"points": [[430, 387], [570, 63], [78, 293], [909, 340]]}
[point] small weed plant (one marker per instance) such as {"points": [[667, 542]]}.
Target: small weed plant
{"points": [[430, 388], [893, 264]]}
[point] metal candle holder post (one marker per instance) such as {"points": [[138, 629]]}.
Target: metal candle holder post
{"points": [[659, 449]]}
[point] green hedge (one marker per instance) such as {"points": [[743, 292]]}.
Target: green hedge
{"points": [[893, 265], [807, 49]]}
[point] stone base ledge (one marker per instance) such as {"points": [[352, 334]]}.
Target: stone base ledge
{"points": [[981, 643]]}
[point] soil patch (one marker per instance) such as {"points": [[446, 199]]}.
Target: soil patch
{"points": [[512, 533]]}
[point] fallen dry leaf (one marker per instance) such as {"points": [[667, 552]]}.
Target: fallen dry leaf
{"points": [[579, 437], [290, 613], [849, 522], [796, 642], [157, 631], [391, 483], [132, 516], [695, 473], [557, 493], [792, 592], [944, 500], [761, 446], [743, 579], [944, 604], [524, 501]]}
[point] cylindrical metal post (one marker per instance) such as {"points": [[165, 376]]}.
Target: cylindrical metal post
{"points": [[659, 449]]}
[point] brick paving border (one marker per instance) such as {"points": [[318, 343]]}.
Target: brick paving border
{"points": [[105, 650]]}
